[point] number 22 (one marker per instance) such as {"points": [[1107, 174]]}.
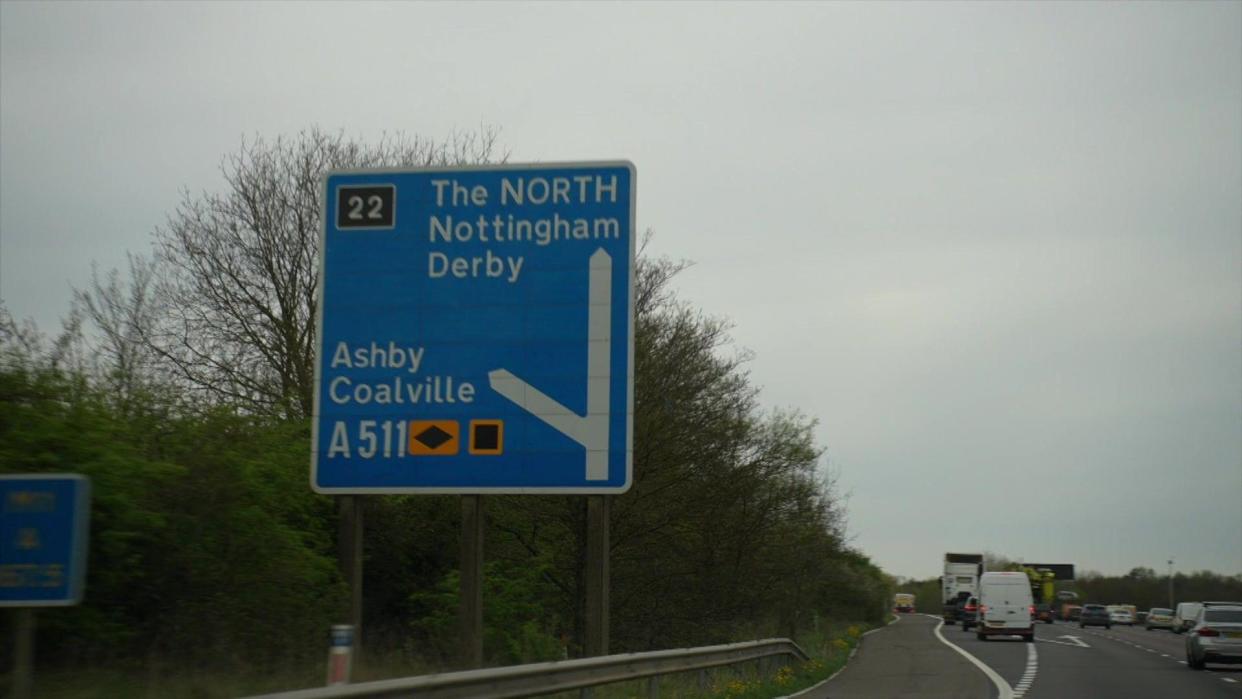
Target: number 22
{"points": [[356, 204]]}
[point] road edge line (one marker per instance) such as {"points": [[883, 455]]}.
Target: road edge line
{"points": [[1003, 689], [887, 624], [853, 652]]}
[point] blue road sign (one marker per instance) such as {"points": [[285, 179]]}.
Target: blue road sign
{"points": [[44, 520], [476, 330]]}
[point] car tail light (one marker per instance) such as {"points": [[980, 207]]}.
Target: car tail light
{"points": [[971, 607], [1208, 632], [983, 609], [1032, 610]]}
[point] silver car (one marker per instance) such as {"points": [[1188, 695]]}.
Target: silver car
{"points": [[1121, 617], [1216, 636], [1159, 618]]}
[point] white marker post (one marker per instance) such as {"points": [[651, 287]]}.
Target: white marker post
{"points": [[340, 655]]}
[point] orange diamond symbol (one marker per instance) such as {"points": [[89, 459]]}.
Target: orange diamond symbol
{"points": [[434, 437]]}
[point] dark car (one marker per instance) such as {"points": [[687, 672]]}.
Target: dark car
{"points": [[1094, 615], [1043, 612], [968, 612], [949, 611]]}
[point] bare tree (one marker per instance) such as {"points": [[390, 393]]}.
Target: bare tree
{"points": [[125, 312], [24, 347], [241, 267]]}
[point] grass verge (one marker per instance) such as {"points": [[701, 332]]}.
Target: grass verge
{"points": [[829, 649]]}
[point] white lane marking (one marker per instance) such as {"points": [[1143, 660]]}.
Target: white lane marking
{"points": [[892, 621], [1135, 645], [1003, 690], [1229, 679], [1028, 676]]}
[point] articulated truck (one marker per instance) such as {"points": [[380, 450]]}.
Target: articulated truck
{"points": [[959, 582]]}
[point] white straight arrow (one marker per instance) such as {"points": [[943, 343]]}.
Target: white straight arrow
{"points": [[590, 430]]}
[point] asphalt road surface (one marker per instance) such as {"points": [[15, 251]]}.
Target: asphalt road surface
{"points": [[907, 659]]}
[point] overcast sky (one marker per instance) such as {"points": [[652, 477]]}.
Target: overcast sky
{"points": [[994, 248]]}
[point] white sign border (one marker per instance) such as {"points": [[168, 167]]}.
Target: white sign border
{"points": [[476, 490]]}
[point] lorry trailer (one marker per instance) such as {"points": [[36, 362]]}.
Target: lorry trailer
{"points": [[960, 580]]}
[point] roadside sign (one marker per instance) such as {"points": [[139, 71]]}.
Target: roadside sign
{"points": [[475, 330], [44, 520]]}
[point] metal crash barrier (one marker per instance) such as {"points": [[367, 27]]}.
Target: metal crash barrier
{"points": [[558, 676]]}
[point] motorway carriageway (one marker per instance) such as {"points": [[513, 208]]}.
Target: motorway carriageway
{"points": [[909, 659]]}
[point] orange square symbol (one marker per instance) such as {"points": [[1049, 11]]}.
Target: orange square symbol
{"points": [[487, 437]]}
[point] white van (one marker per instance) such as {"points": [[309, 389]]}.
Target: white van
{"points": [[1005, 606], [1184, 616]]}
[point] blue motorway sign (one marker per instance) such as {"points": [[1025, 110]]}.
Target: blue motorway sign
{"points": [[475, 330], [44, 520]]}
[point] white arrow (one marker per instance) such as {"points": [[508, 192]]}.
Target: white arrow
{"points": [[1073, 641], [590, 430]]}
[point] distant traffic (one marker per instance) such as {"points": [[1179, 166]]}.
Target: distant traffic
{"points": [[1010, 602]]}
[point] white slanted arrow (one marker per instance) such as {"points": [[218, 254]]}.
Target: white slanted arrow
{"points": [[590, 430], [1077, 641], [1073, 641]]}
